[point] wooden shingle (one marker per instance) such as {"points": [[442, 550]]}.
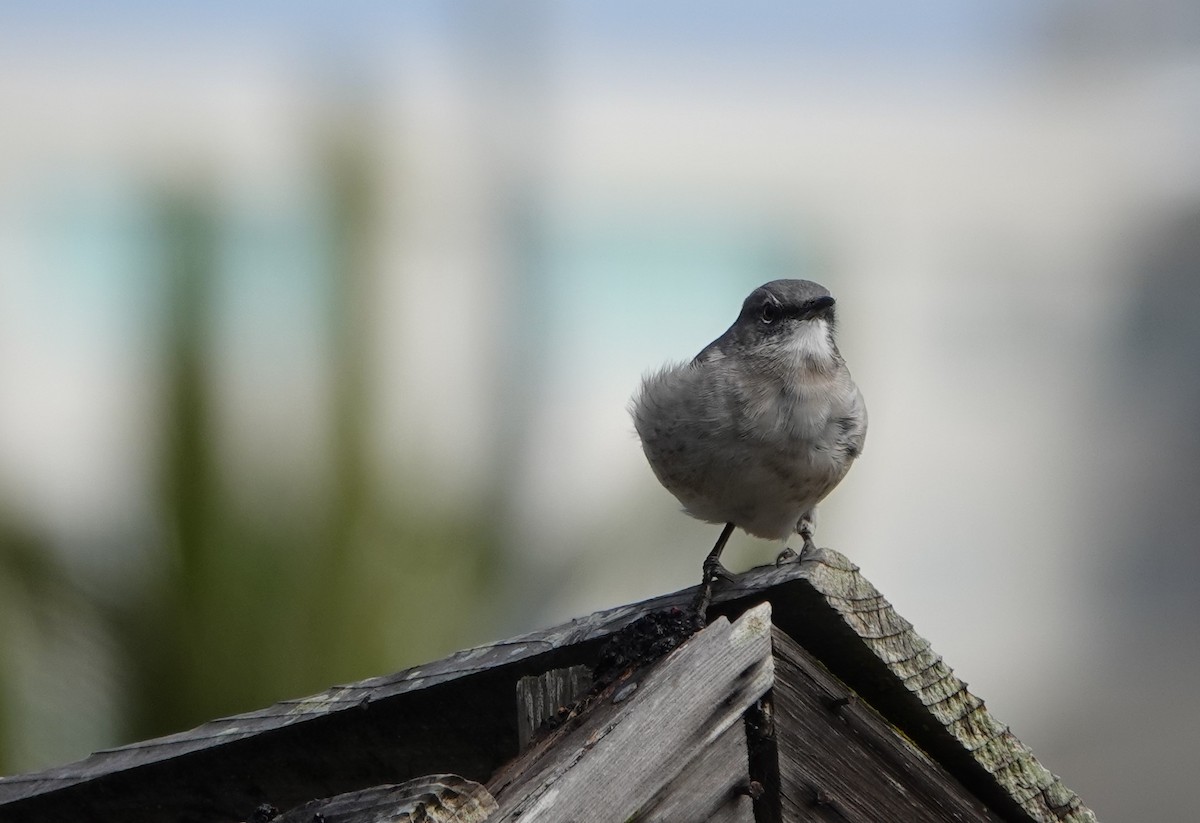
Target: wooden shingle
{"points": [[850, 689]]}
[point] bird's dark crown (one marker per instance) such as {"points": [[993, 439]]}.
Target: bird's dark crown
{"points": [[787, 299], [770, 314]]}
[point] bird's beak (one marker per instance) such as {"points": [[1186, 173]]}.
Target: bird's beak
{"points": [[819, 307]]}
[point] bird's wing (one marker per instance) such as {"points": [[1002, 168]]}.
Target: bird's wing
{"points": [[713, 351], [852, 427]]}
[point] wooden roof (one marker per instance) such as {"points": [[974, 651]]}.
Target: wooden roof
{"points": [[457, 715]]}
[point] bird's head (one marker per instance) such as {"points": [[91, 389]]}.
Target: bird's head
{"points": [[791, 320]]}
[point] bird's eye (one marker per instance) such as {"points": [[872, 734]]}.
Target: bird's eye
{"points": [[769, 314]]}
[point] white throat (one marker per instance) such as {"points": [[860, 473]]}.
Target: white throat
{"points": [[811, 345]]}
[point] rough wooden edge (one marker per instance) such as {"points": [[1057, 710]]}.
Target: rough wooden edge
{"points": [[540, 696], [923, 673], [642, 733], [354, 696], [879, 774], [434, 798], [815, 601]]}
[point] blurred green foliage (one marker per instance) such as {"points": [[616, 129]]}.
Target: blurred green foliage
{"points": [[243, 607]]}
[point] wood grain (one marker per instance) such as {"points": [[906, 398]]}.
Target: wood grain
{"points": [[619, 761], [839, 760], [709, 787], [223, 768], [456, 715], [435, 798], [540, 697], [920, 675]]}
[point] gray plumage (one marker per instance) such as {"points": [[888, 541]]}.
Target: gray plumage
{"points": [[763, 423]]}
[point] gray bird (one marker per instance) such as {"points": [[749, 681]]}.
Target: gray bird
{"points": [[760, 426]]}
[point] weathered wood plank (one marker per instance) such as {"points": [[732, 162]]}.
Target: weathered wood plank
{"points": [[709, 788], [221, 769], [455, 715], [839, 760], [921, 677], [465, 727], [641, 734], [539, 697], [435, 798]]}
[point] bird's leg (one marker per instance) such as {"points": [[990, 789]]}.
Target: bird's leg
{"points": [[805, 529], [712, 570], [712, 564]]}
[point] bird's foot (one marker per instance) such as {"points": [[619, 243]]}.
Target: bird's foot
{"points": [[714, 570], [790, 556]]}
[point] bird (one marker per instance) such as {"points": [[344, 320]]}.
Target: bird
{"points": [[761, 425]]}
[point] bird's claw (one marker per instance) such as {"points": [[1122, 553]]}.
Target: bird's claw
{"points": [[713, 570], [790, 556]]}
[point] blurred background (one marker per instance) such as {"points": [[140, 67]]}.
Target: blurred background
{"points": [[318, 323]]}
